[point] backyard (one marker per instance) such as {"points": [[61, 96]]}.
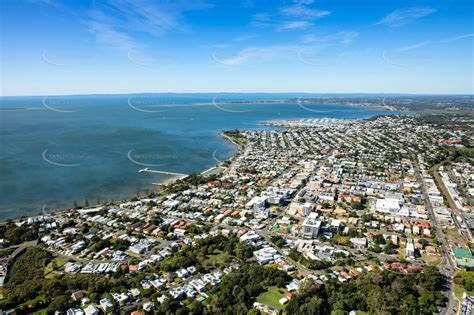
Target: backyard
{"points": [[272, 296]]}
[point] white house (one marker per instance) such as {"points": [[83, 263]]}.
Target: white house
{"points": [[311, 225], [387, 206], [91, 310], [410, 249]]}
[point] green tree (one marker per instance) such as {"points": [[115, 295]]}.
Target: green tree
{"points": [[59, 303]]}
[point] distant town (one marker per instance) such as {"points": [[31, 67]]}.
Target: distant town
{"points": [[369, 216], [393, 102]]}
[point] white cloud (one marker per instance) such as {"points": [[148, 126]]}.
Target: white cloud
{"points": [[429, 42], [344, 37], [300, 10], [255, 54], [106, 34], [404, 16], [294, 25], [155, 17], [240, 58], [243, 37], [348, 37], [458, 37], [415, 46], [261, 20], [115, 22], [291, 17]]}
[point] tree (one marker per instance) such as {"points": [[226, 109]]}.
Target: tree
{"points": [[423, 242], [278, 240], [243, 251], [374, 293], [312, 299], [378, 239], [239, 289], [465, 279], [59, 303], [388, 247]]}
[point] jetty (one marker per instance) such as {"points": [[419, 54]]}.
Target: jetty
{"points": [[147, 170]]}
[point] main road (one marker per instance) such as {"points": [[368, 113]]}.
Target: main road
{"points": [[448, 267]]}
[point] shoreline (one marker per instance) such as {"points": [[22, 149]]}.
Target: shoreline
{"points": [[164, 183], [231, 140]]}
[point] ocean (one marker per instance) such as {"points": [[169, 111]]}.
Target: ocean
{"points": [[55, 151]]}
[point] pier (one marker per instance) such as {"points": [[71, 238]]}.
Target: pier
{"points": [[146, 170]]}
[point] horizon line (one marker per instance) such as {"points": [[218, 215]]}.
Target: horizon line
{"points": [[214, 93]]}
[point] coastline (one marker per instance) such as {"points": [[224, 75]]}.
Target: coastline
{"points": [[230, 139], [219, 166], [131, 194], [163, 183]]}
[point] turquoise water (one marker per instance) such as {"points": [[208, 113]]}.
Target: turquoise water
{"points": [[57, 150]]}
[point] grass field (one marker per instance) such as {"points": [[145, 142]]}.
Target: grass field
{"points": [[459, 290], [342, 240], [272, 296], [213, 171], [37, 301], [217, 258], [50, 271], [451, 232], [431, 260]]}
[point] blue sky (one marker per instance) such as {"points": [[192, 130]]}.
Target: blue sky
{"points": [[51, 47]]}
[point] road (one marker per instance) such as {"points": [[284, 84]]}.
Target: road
{"points": [[447, 267], [452, 205]]}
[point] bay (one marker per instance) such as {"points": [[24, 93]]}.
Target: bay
{"points": [[60, 149]]}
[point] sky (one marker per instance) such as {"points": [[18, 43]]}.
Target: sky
{"points": [[52, 47]]}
